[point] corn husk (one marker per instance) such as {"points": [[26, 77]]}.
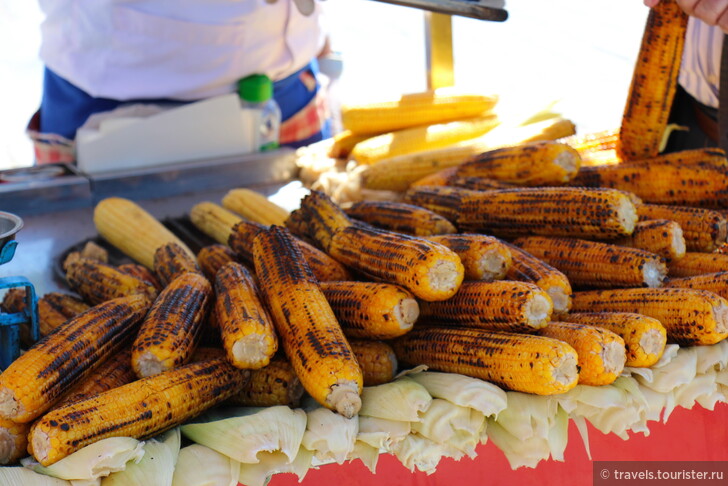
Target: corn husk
{"points": [[670, 374], [712, 358], [447, 423], [156, 467], [241, 433], [275, 463], [402, 399], [464, 391], [27, 477], [382, 433], [417, 452], [330, 435], [368, 455], [198, 465]]}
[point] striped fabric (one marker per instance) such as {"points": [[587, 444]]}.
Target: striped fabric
{"points": [[700, 70]]}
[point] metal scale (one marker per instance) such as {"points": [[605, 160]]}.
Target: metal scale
{"points": [[10, 323]]}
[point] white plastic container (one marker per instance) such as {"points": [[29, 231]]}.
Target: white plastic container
{"points": [[260, 111]]}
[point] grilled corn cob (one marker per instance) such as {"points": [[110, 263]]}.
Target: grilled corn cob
{"points": [[662, 237], [114, 372], [601, 352], [697, 263], [429, 270], [344, 141], [212, 257], [55, 308], [171, 261], [495, 306], [528, 268], [171, 330], [214, 220], [246, 328], [254, 206], [131, 229], [450, 177], [400, 217], [274, 384], [371, 310], [644, 337], [548, 211], [98, 282], [38, 378], [305, 324], [715, 282], [697, 177], [596, 264], [377, 360], [594, 141], [141, 272], [140, 409], [520, 362], [654, 82], [14, 300], [703, 229], [13, 441], [484, 257], [690, 317]]}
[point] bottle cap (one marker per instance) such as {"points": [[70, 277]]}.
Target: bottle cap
{"points": [[255, 88]]}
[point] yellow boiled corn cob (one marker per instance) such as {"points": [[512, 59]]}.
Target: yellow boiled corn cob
{"points": [[597, 264], [377, 360], [654, 82], [274, 384], [306, 326], [644, 337], [344, 141], [520, 362], [247, 330], [601, 352], [214, 220], [714, 282], [501, 305], [114, 372], [703, 229], [400, 217], [254, 206], [98, 282], [35, 381], [690, 316], [212, 257], [140, 409], [662, 237], [131, 229], [429, 270], [13, 441], [371, 310], [484, 257], [697, 263], [548, 211], [420, 138], [171, 261], [55, 308], [171, 330], [414, 109]]}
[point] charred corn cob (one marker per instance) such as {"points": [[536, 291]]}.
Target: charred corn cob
{"points": [[13, 441], [450, 177], [400, 217], [131, 229], [254, 206], [547, 211], [55, 308], [171, 261], [528, 268], [495, 306], [601, 353], [414, 109], [662, 237], [14, 300], [214, 220], [714, 282], [593, 142], [429, 270], [520, 362], [98, 282], [306, 326], [596, 264], [703, 229], [654, 82], [141, 272], [114, 372], [420, 138], [274, 384], [371, 310], [690, 317], [484, 257], [171, 330], [697, 177], [697, 263], [38, 378], [246, 328], [644, 337], [377, 360], [140, 409], [212, 257]]}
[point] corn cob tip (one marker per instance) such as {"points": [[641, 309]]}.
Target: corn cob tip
{"points": [[538, 311], [7, 446], [254, 350], [561, 300], [613, 357], [565, 371], [406, 312], [652, 342], [344, 398], [445, 276]]}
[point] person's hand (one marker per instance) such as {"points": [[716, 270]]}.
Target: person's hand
{"points": [[712, 12]]}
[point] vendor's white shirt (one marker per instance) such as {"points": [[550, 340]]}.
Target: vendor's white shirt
{"points": [[700, 69], [179, 49]]}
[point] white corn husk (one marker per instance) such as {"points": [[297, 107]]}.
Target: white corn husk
{"points": [[367, 454], [241, 433], [198, 465], [721, 379], [519, 452], [156, 467], [382, 433], [702, 389], [464, 391], [447, 423], [712, 358], [22, 476], [421, 453], [528, 415], [275, 463], [93, 461], [402, 399], [330, 435], [675, 372]]}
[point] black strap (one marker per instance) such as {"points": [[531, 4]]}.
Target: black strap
{"points": [[723, 96]]}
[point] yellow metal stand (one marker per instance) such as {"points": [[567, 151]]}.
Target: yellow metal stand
{"points": [[438, 40]]}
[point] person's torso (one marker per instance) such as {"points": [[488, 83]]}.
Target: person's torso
{"points": [[700, 68]]}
